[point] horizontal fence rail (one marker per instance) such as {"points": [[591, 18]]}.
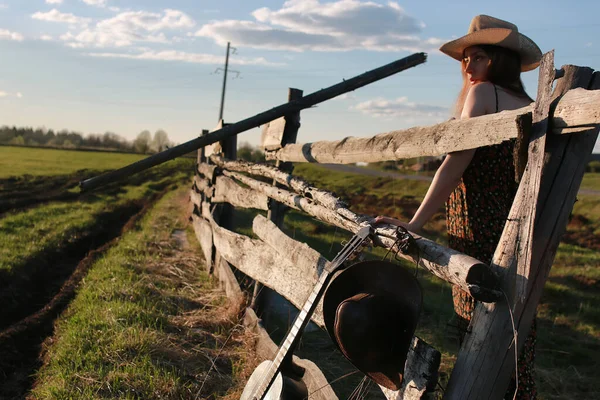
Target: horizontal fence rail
{"points": [[577, 110]]}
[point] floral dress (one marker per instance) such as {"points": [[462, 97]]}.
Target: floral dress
{"points": [[475, 216]]}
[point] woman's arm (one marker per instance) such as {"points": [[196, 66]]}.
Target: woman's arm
{"points": [[478, 102]]}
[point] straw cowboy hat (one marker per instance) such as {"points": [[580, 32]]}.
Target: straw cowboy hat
{"points": [[371, 311], [489, 30]]}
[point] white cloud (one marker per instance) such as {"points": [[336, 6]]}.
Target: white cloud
{"points": [[173, 55], [7, 94], [3, 6], [56, 16], [114, 9], [46, 37], [54, 1], [401, 107], [8, 35], [128, 28], [338, 26], [97, 3], [588, 44]]}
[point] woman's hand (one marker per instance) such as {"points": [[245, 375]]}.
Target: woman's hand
{"points": [[380, 219]]}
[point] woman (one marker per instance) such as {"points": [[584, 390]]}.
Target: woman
{"points": [[479, 185]]}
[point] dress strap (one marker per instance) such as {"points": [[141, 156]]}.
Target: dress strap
{"points": [[496, 92]]}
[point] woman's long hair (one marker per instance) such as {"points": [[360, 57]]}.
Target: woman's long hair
{"points": [[504, 71]]}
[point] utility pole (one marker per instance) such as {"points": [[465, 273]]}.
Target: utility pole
{"points": [[224, 82]]}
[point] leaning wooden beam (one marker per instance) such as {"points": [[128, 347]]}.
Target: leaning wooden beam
{"points": [[576, 110], [302, 103], [316, 383], [459, 269], [299, 185]]}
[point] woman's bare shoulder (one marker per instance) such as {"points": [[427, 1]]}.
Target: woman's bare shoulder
{"points": [[483, 89], [480, 100]]}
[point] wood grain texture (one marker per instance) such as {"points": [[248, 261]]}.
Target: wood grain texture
{"points": [[447, 264], [208, 171], [298, 185], [204, 235], [228, 281], [226, 190], [581, 108], [420, 373], [318, 387]]}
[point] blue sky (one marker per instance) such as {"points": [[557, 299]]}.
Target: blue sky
{"points": [[125, 65]]}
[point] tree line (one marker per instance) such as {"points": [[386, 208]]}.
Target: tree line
{"points": [[144, 143]]}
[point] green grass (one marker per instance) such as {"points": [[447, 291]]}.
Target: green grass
{"points": [[17, 161], [129, 333], [591, 180], [23, 234]]}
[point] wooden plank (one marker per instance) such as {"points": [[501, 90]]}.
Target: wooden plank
{"points": [[195, 198], [261, 262], [449, 265], [201, 155], [262, 299], [308, 260], [208, 171], [420, 373], [578, 108], [204, 235], [228, 281], [299, 185], [438, 139], [226, 190], [272, 133], [203, 185], [318, 387], [214, 148]]}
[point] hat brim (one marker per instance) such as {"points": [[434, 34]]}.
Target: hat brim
{"points": [[381, 278], [529, 51]]}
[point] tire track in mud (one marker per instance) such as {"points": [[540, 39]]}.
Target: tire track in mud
{"points": [[21, 341]]}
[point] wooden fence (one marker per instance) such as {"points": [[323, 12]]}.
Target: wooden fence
{"points": [[555, 135]]}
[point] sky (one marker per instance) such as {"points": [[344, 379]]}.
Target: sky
{"points": [[125, 66]]}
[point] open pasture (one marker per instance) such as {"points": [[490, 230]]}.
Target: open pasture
{"points": [[134, 301]]}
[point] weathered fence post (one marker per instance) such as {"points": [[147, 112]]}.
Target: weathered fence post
{"points": [[277, 134], [526, 251]]}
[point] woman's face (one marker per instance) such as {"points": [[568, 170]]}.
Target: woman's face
{"points": [[476, 63]]}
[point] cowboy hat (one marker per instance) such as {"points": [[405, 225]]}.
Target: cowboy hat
{"points": [[489, 30], [371, 311]]}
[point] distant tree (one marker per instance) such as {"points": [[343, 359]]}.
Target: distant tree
{"points": [[250, 153], [18, 140], [142, 142], [160, 140]]}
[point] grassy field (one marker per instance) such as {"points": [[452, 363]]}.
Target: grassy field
{"points": [[146, 323], [18, 161], [47, 227]]}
